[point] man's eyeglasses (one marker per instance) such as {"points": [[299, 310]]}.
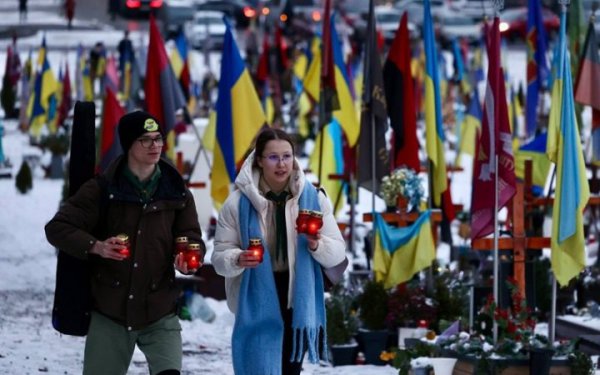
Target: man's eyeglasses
{"points": [[274, 159], [147, 142]]}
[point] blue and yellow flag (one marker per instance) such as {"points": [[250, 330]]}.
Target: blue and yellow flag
{"points": [[399, 253], [346, 115], [536, 151], [433, 110], [572, 190], [42, 103], [470, 126], [332, 162], [239, 118], [537, 67]]}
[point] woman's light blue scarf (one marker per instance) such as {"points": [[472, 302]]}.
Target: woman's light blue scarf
{"points": [[257, 339]]}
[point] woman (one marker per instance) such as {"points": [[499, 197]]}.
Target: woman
{"points": [[279, 301]]}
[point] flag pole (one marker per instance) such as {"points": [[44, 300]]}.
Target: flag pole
{"points": [[498, 5], [496, 258], [552, 323]]}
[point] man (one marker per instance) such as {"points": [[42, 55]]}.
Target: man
{"points": [[134, 294]]}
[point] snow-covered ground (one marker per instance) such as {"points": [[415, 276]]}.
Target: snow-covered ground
{"points": [[29, 344]]}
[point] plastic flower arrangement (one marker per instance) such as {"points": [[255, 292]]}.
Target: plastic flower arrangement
{"points": [[402, 182], [516, 335]]}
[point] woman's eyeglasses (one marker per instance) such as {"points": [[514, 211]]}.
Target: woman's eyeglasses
{"points": [[147, 142], [274, 159]]}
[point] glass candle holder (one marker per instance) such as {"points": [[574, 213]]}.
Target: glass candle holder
{"points": [[181, 244], [192, 256], [125, 241], [315, 222], [302, 220], [257, 248]]}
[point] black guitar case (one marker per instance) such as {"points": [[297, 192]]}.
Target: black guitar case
{"points": [[72, 296]]}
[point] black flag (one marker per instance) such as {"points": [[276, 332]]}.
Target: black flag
{"points": [[373, 115]]}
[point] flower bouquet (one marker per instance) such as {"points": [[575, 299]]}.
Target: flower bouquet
{"points": [[517, 340], [402, 182]]}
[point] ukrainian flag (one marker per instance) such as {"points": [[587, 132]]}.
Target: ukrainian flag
{"points": [[572, 190], [470, 126], [332, 162], [303, 102], [536, 151], [399, 253], [346, 115], [433, 110], [42, 103], [82, 76], [239, 118]]}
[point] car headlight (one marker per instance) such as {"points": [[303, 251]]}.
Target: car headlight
{"points": [[503, 26]]}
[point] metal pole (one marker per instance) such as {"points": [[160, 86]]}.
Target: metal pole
{"points": [[373, 163], [496, 234], [499, 5], [321, 128], [552, 322]]}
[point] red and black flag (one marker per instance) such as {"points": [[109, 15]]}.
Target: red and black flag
{"points": [[400, 99]]}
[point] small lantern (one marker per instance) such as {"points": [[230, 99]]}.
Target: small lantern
{"points": [[192, 256], [181, 244], [315, 222], [257, 248], [302, 220], [124, 241]]}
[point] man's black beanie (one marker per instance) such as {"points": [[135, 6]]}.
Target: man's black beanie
{"points": [[135, 124]]}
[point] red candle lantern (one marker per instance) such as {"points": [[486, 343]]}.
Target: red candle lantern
{"points": [[302, 220], [181, 244], [315, 222], [124, 241], [257, 248], [192, 256]]}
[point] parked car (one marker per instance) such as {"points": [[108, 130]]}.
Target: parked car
{"points": [[173, 15], [513, 23], [474, 9], [455, 25], [137, 8], [239, 10], [207, 30]]}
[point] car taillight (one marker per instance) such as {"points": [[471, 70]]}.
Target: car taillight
{"points": [[265, 11], [156, 3], [133, 3], [249, 12]]}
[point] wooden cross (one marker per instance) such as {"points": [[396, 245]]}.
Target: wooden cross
{"points": [[519, 243], [189, 184]]}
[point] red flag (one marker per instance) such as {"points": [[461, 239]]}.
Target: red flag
{"points": [[282, 50], [399, 94], [494, 139], [587, 91], [67, 100], [110, 147], [262, 70], [163, 93], [586, 88], [328, 87]]}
